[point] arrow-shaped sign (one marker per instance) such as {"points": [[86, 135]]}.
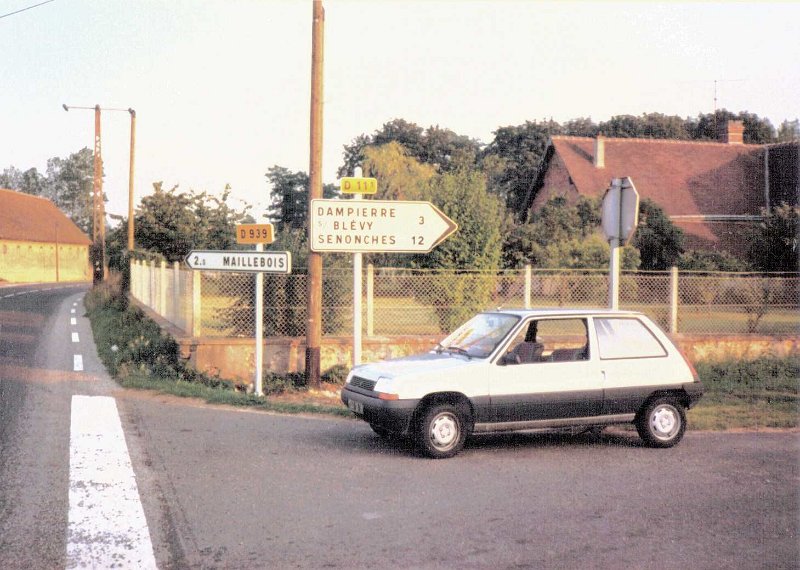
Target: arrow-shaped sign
{"points": [[377, 226], [242, 261]]}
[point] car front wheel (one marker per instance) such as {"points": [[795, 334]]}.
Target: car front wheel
{"points": [[662, 423], [441, 431]]}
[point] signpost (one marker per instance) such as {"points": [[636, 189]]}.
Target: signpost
{"points": [[377, 226], [242, 261], [258, 262], [255, 233], [357, 186], [619, 220]]}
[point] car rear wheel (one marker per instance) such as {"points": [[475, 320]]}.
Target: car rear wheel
{"points": [[662, 423], [441, 431]]}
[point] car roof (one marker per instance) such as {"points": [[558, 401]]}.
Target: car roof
{"points": [[555, 311]]}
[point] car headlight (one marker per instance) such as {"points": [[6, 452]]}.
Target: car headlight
{"points": [[385, 390]]}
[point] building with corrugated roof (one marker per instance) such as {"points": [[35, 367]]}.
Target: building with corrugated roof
{"points": [[713, 191], [38, 243]]}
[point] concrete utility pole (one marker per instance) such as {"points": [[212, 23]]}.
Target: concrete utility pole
{"points": [[314, 324]]}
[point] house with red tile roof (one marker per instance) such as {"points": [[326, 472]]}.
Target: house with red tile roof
{"points": [[713, 191], [39, 243]]}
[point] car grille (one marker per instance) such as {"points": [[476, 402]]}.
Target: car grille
{"points": [[362, 383]]}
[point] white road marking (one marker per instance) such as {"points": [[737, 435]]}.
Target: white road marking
{"points": [[107, 526], [73, 321], [75, 337], [72, 311], [77, 362]]}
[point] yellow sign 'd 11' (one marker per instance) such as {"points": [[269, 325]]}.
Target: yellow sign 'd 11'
{"points": [[254, 233], [359, 185]]}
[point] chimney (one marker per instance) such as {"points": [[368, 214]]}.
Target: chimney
{"points": [[732, 133], [600, 151]]}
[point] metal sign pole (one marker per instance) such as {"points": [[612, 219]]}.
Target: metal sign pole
{"points": [[357, 286], [259, 373]]}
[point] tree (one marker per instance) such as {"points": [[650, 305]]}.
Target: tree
{"points": [[29, 182], [789, 131], [563, 236], [289, 194], [705, 260], [173, 223], [514, 158], [69, 185], [774, 243], [437, 146], [462, 196], [480, 216], [400, 176], [648, 125], [659, 241], [707, 126]]}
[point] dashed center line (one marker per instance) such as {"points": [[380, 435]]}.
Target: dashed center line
{"points": [[77, 362], [73, 321], [75, 337], [107, 526]]}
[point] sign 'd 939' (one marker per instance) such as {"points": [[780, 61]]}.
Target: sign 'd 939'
{"points": [[254, 233]]}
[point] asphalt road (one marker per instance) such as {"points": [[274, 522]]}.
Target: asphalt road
{"points": [[225, 488]]}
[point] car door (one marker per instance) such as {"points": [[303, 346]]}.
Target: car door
{"points": [[554, 375]]}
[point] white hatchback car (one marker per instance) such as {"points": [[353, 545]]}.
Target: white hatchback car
{"points": [[513, 370]]}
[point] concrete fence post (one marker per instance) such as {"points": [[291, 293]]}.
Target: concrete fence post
{"points": [[176, 292], [527, 293], [370, 300], [151, 300], [162, 288], [673, 300], [197, 309]]}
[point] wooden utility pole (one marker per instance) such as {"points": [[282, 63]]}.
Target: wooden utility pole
{"points": [[314, 323], [130, 180]]}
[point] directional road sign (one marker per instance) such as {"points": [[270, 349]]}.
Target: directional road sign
{"points": [[359, 185], [620, 210], [242, 261], [377, 226]]}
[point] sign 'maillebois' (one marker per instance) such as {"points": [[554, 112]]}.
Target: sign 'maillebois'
{"points": [[377, 226], [243, 261]]}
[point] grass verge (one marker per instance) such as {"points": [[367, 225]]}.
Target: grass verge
{"points": [[139, 355]]}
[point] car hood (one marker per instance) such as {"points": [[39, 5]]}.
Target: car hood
{"points": [[419, 364]]}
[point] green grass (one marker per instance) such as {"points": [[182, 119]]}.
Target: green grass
{"points": [[761, 393]]}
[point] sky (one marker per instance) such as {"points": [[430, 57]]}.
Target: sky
{"points": [[221, 88]]}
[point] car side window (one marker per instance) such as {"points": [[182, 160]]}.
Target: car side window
{"points": [[549, 340], [626, 338]]}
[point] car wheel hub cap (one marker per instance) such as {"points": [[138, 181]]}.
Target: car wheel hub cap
{"points": [[665, 423], [444, 431]]}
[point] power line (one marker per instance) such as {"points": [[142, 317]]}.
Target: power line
{"points": [[24, 9]]}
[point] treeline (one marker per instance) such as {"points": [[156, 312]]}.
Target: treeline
{"points": [[481, 186]]}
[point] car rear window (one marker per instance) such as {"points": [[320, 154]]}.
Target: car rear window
{"points": [[626, 338]]}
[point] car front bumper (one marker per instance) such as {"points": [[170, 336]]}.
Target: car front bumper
{"points": [[392, 415]]}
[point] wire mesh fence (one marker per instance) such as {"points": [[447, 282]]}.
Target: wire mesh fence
{"points": [[433, 302]]}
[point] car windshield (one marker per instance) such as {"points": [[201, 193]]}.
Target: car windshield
{"points": [[479, 336]]}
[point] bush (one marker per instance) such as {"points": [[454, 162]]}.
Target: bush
{"points": [[130, 343]]}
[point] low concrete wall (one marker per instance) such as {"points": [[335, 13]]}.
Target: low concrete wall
{"points": [[234, 358]]}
